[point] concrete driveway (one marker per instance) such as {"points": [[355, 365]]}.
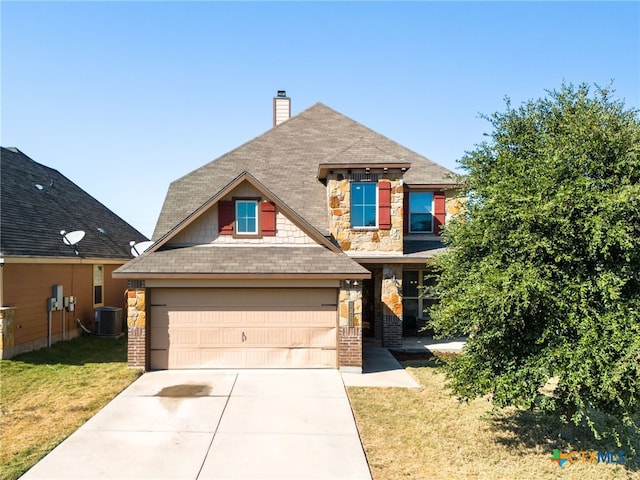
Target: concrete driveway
{"points": [[246, 424]]}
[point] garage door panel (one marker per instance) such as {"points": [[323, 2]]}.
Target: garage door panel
{"points": [[184, 337], [317, 337], [247, 358], [235, 328]]}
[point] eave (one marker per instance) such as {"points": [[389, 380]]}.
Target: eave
{"points": [[325, 168], [65, 260], [244, 276]]}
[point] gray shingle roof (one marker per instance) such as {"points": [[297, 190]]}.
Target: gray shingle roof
{"points": [[286, 160], [31, 217], [243, 260], [423, 248]]}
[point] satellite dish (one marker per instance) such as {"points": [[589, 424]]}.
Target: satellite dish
{"points": [[71, 238], [140, 248]]}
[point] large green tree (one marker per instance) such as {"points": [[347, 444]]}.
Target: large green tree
{"points": [[543, 269]]}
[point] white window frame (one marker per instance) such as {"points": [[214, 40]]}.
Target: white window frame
{"points": [[376, 206], [257, 217]]}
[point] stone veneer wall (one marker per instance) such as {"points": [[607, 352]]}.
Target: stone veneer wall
{"points": [[350, 293], [391, 296], [350, 327], [136, 327], [366, 239]]}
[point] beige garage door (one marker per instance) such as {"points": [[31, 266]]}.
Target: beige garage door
{"points": [[243, 328]]}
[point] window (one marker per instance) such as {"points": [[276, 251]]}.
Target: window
{"points": [[98, 281], [246, 217], [364, 204], [421, 212], [415, 303]]}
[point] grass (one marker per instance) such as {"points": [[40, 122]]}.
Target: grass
{"points": [[407, 433], [47, 394], [427, 434]]}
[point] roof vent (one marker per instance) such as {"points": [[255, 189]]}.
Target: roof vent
{"points": [[281, 108]]}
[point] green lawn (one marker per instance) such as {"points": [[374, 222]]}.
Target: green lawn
{"points": [[47, 394], [407, 433], [426, 434]]}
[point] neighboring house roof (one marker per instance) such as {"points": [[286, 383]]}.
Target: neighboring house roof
{"points": [[287, 159], [37, 202], [313, 261]]}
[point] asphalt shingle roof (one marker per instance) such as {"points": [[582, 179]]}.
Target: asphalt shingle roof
{"points": [[37, 202], [286, 160], [247, 260]]}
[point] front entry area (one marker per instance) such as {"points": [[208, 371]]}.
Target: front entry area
{"points": [[242, 328]]}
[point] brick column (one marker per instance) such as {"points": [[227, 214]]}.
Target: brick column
{"points": [[392, 306], [136, 328]]}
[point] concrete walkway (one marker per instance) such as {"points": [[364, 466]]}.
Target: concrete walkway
{"points": [[215, 424], [421, 344], [379, 369]]}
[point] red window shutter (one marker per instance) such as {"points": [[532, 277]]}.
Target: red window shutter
{"points": [[438, 212], [267, 219], [226, 217], [405, 211], [384, 205]]}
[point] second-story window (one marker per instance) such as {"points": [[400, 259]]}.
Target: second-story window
{"points": [[246, 217], [420, 212], [364, 204]]}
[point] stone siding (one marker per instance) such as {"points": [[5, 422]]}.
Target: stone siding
{"points": [[454, 204], [391, 296], [350, 326], [350, 294], [363, 239], [136, 328]]}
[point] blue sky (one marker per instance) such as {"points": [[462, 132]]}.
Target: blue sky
{"points": [[125, 97]]}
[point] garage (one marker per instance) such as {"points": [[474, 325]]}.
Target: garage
{"points": [[242, 328]]}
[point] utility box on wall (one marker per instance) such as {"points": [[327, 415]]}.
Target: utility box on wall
{"points": [[108, 321]]}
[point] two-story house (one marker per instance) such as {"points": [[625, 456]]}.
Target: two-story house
{"points": [[286, 251]]}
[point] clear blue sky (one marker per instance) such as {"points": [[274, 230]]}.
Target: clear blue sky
{"points": [[123, 98]]}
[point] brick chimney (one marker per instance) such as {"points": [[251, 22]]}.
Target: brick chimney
{"points": [[281, 108]]}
